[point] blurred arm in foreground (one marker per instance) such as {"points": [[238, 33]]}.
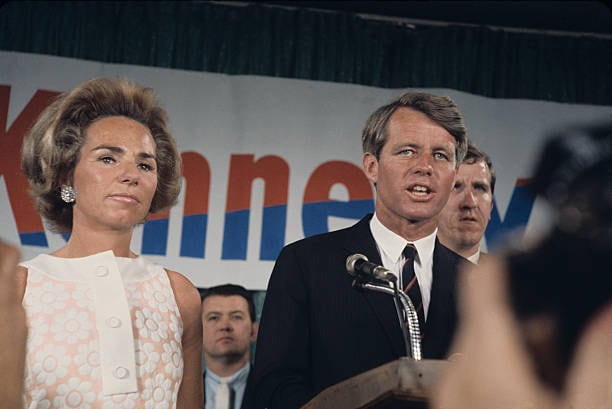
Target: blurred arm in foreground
{"points": [[12, 331]]}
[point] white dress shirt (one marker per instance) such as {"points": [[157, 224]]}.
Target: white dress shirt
{"points": [[390, 246], [237, 383], [474, 258]]}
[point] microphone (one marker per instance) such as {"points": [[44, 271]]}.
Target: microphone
{"points": [[358, 265]]}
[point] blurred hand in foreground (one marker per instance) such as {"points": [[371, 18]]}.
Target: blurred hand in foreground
{"points": [[492, 367], [13, 331]]}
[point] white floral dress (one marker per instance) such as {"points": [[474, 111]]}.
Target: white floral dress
{"points": [[104, 332]]}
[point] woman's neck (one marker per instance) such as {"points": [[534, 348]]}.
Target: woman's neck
{"points": [[83, 244]]}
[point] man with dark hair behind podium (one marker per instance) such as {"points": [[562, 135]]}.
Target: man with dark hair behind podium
{"points": [[229, 326], [316, 329]]}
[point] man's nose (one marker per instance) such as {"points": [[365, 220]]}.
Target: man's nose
{"points": [[226, 325], [469, 198], [424, 164]]}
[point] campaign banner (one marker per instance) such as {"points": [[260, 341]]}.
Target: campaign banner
{"points": [[266, 161]]}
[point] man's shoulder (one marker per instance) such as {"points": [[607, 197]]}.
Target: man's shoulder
{"points": [[335, 236], [446, 255]]}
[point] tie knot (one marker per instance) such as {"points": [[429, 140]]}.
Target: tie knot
{"points": [[409, 252]]}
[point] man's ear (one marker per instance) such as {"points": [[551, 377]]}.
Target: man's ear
{"points": [[254, 331], [492, 204], [370, 167]]}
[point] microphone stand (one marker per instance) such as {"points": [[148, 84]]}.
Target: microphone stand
{"points": [[409, 322]]}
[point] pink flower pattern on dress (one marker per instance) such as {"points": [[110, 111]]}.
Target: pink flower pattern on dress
{"points": [[63, 368]]}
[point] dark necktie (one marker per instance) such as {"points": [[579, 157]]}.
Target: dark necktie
{"points": [[411, 284]]}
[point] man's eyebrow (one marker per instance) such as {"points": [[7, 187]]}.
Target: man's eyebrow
{"points": [[443, 148], [211, 313]]}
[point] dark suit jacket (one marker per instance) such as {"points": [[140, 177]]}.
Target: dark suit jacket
{"points": [[317, 330]]}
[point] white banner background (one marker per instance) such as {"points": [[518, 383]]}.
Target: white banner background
{"points": [[304, 122]]}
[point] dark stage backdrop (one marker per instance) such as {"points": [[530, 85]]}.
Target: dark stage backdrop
{"points": [[325, 46]]}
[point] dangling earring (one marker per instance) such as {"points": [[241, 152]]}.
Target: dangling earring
{"points": [[68, 194]]}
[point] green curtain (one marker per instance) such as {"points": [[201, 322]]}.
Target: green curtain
{"points": [[325, 46]]}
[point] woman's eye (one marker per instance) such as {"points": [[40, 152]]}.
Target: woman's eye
{"points": [[146, 167]]}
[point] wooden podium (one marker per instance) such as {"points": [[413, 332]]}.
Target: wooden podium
{"points": [[404, 383]]}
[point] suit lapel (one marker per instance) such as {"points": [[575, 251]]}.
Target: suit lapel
{"points": [[442, 315], [360, 240]]}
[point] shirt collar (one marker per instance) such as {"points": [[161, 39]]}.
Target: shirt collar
{"points": [[474, 258], [239, 375], [392, 244]]}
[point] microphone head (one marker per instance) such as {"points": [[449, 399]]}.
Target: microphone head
{"points": [[351, 260]]}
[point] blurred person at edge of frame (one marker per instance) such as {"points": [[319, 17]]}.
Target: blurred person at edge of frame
{"points": [[13, 331], [536, 326]]}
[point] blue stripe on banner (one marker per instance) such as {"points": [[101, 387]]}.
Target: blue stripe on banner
{"points": [[273, 231], [34, 239], [155, 237], [235, 235], [193, 236], [315, 215], [517, 216]]}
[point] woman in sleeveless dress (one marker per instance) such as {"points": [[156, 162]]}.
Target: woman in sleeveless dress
{"points": [[107, 327]]}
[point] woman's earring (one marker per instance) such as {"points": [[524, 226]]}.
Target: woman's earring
{"points": [[68, 194]]}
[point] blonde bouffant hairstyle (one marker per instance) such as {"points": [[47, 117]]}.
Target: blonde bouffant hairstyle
{"points": [[51, 148]]}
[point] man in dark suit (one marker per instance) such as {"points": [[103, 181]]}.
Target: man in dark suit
{"points": [[465, 217], [316, 329]]}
